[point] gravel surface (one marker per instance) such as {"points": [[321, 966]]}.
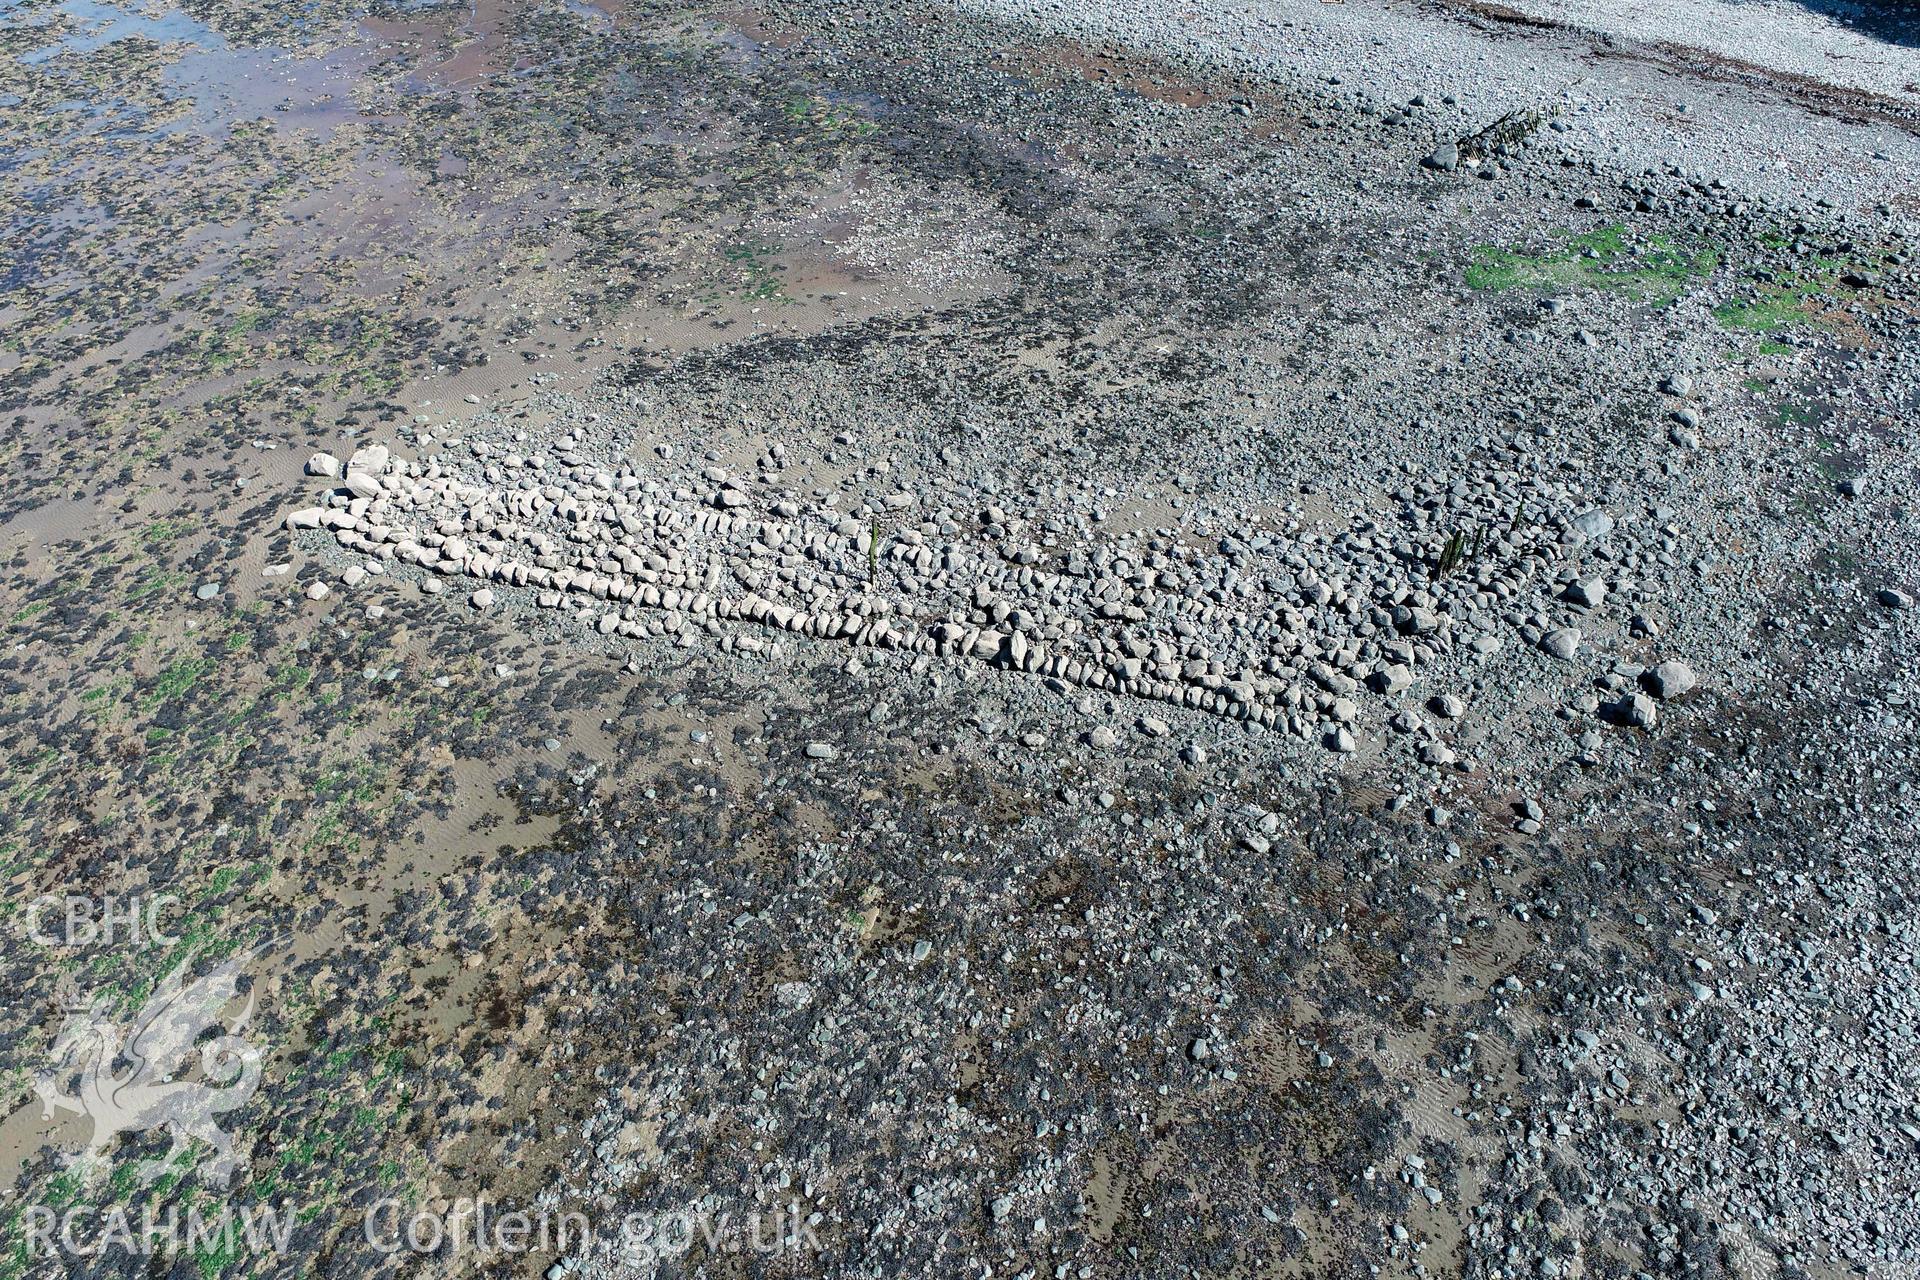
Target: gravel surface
{"points": [[1602, 79], [1866, 46]]}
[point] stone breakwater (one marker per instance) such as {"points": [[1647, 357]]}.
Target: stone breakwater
{"points": [[1282, 628]]}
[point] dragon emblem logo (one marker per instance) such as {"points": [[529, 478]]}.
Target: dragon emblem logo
{"points": [[128, 1079]]}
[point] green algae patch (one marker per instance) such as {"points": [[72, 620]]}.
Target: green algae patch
{"points": [[1779, 304], [817, 114], [1654, 268]]}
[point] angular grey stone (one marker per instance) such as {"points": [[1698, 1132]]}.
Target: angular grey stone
{"points": [[1391, 679], [1415, 621], [1669, 679], [1017, 651], [373, 460], [1587, 592], [1561, 642], [1638, 710], [1594, 524]]}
